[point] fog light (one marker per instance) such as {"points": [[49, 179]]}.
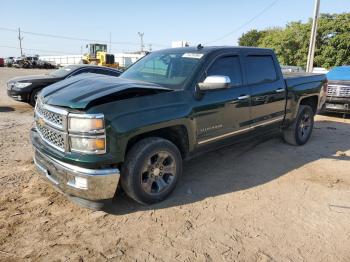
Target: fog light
{"points": [[79, 182]]}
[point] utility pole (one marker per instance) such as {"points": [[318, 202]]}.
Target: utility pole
{"points": [[141, 38], [20, 38], [310, 57]]}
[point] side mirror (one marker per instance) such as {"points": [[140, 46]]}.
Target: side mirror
{"points": [[214, 82]]}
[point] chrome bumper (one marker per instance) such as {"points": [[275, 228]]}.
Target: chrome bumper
{"points": [[89, 184]]}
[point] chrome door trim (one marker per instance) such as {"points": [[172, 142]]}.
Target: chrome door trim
{"points": [[239, 131], [243, 97]]}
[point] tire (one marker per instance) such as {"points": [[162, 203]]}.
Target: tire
{"points": [[143, 174], [33, 97], [299, 132]]}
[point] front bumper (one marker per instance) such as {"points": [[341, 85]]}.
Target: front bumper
{"points": [[17, 95], [337, 104], [78, 182]]}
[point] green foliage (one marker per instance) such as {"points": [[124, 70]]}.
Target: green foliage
{"points": [[292, 42]]}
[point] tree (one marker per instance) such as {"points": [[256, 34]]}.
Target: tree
{"points": [[291, 43], [251, 38]]}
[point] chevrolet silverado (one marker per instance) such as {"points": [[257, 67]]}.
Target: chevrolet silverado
{"points": [[95, 132]]}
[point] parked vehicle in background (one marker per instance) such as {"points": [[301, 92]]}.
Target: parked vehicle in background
{"points": [[26, 88], [291, 69], [21, 62], [338, 94], [93, 132], [319, 70], [46, 64], [2, 62], [9, 61], [33, 60]]}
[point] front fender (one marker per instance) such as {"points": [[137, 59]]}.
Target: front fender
{"points": [[128, 118]]}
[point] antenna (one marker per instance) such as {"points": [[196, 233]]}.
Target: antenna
{"points": [[199, 46]]}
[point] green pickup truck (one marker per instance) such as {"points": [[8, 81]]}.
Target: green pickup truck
{"points": [[95, 132]]}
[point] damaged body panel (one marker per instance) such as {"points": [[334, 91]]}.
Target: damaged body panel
{"points": [[84, 91]]}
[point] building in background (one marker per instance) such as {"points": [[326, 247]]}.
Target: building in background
{"points": [[124, 59]]}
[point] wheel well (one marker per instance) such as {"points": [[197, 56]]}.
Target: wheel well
{"points": [[176, 134], [311, 101]]}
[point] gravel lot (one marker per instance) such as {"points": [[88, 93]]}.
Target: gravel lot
{"points": [[264, 201]]}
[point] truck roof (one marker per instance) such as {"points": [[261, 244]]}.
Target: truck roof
{"points": [[208, 49]]}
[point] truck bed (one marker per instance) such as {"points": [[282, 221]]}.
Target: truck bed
{"points": [[295, 79]]}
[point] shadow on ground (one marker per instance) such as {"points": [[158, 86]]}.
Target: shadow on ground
{"points": [[5, 109], [239, 167]]}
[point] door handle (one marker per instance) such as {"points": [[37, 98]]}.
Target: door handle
{"points": [[279, 90], [243, 97]]}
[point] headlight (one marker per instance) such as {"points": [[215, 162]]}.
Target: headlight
{"points": [[88, 144], [21, 85], [85, 123], [87, 133]]}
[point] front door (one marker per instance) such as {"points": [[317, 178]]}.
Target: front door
{"points": [[223, 113]]}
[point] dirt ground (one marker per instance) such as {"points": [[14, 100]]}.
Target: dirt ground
{"points": [[261, 202]]}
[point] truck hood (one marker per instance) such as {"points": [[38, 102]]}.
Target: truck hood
{"points": [[86, 90]]}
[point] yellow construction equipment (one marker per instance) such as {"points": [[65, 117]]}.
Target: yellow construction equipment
{"points": [[98, 56]]}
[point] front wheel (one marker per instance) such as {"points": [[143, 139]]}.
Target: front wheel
{"points": [[300, 131], [151, 170], [33, 97]]}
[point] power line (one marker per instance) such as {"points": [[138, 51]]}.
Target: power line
{"points": [[245, 24], [75, 38], [36, 50]]}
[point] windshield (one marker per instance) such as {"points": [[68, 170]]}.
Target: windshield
{"points": [[339, 73], [64, 71], [167, 69]]}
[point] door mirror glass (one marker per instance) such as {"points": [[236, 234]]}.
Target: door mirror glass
{"points": [[215, 82]]}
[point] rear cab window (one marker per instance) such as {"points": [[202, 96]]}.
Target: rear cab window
{"points": [[260, 69], [227, 66]]}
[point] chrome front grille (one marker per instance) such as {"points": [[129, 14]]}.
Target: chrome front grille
{"points": [[332, 90], [51, 124], [344, 91], [51, 136], [338, 90], [50, 116]]}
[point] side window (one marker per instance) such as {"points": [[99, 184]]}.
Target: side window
{"points": [[227, 66], [260, 69]]}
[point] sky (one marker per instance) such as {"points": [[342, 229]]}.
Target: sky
{"points": [[209, 22]]}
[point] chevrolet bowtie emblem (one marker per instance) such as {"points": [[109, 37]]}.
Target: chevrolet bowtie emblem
{"points": [[41, 121]]}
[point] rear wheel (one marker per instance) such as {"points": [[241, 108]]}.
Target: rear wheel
{"points": [[300, 131], [151, 170]]}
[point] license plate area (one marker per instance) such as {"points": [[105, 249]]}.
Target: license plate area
{"points": [[337, 106], [49, 170]]}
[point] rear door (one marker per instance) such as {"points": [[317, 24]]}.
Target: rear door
{"points": [[267, 89], [223, 113]]}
